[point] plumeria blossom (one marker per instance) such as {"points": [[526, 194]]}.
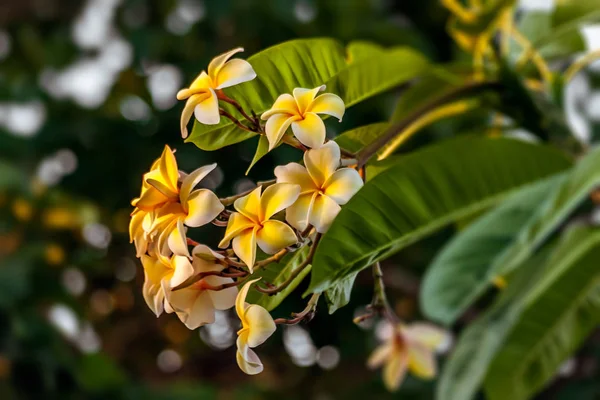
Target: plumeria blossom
{"points": [[408, 347], [201, 96], [324, 187], [252, 224], [300, 111], [257, 327], [195, 305]]}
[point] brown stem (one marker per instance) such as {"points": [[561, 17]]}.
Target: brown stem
{"points": [[228, 261], [218, 222], [379, 304], [219, 287], [274, 258], [305, 315], [196, 278], [235, 121], [225, 98], [368, 151], [192, 242]]}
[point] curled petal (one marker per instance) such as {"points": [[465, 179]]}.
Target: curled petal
{"points": [[285, 104], [168, 169], [249, 205], [221, 299], [234, 72], [304, 97], [310, 131], [177, 240], [240, 301], [247, 359], [203, 206], [200, 312], [244, 246], [421, 361], [276, 126], [260, 325], [188, 110], [154, 296], [394, 371], [190, 181], [427, 335], [329, 104], [136, 224], [274, 236], [296, 174], [276, 198], [298, 214], [151, 199], [342, 185], [199, 85], [207, 110], [323, 213], [321, 163], [236, 225], [219, 61], [182, 270]]}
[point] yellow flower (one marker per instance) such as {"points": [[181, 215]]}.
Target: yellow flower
{"points": [[257, 327], [251, 225], [323, 189], [202, 98], [300, 111], [408, 347], [160, 277], [195, 305]]}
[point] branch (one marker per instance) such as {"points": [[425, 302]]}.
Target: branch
{"points": [[196, 278], [225, 98], [235, 121], [379, 304], [305, 315]]}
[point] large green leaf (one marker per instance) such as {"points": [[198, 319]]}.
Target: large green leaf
{"points": [[563, 308], [423, 192], [568, 11], [276, 274], [357, 138], [309, 63], [339, 295], [534, 316], [465, 268]]}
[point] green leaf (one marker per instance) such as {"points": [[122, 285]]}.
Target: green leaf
{"points": [[422, 193], [465, 267], [357, 138], [276, 274], [568, 11], [339, 295], [261, 150], [309, 63], [563, 308]]}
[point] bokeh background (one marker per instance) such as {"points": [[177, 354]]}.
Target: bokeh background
{"points": [[87, 102]]}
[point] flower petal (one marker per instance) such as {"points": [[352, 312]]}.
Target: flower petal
{"points": [[321, 163], [200, 313], [203, 206], [330, 104], [342, 185], [249, 205], [153, 295], [379, 355], [296, 174], [244, 246], [276, 198], [234, 72], [285, 104], [274, 236], [394, 370], [205, 259], [426, 334], [297, 215], [323, 213], [207, 110], [214, 67], [236, 225], [305, 96], [188, 110], [221, 299], [182, 270], [151, 199], [247, 359], [168, 169], [260, 325], [177, 240], [421, 361], [240, 301], [190, 181], [310, 131], [199, 85], [276, 126]]}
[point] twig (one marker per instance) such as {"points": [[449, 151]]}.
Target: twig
{"points": [[235, 121], [196, 278], [379, 304], [305, 315], [274, 258], [225, 98]]}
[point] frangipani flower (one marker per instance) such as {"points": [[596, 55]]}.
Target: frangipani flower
{"points": [[408, 347], [252, 225], [202, 98], [257, 327], [195, 305], [300, 111], [160, 277], [323, 189]]}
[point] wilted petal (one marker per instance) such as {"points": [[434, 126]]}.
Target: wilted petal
{"points": [[244, 246], [426, 334], [323, 213], [249, 205], [394, 371], [214, 67], [285, 104], [177, 240], [421, 361], [234, 72], [342, 185], [207, 111], [190, 181], [260, 325], [304, 97], [321, 163], [296, 174], [236, 225], [310, 131], [221, 299], [274, 236], [182, 270], [203, 206], [276, 198], [276, 126], [247, 359], [329, 104], [298, 214]]}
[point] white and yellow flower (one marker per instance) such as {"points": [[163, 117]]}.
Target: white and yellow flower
{"points": [[195, 305], [252, 224], [300, 111], [408, 348], [201, 96], [257, 327], [324, 187]]}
